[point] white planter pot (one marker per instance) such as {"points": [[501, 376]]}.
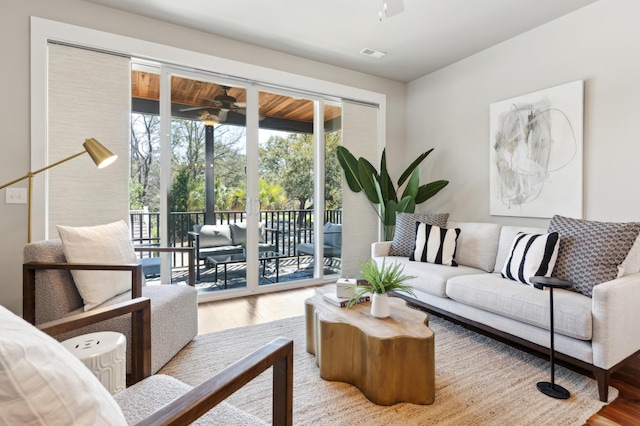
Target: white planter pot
{"points": [[380, 306]]}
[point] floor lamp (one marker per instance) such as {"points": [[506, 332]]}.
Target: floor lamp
{"points": [[99, 154]]}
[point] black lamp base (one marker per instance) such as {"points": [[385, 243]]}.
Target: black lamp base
{"points": [[554, 391]]}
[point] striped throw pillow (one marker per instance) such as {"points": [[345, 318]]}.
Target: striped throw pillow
{"points": [[435, 245], [531, 255]]}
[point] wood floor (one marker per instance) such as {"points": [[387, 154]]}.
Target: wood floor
{"points": [[225, 314]]}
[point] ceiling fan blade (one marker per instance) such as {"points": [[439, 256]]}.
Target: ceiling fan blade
{"points": [[193, 108], [240, 104]]}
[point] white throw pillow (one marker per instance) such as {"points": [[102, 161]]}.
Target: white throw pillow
{"points": [[108, 244], [531, 255], [42, 383], [435, 244]]}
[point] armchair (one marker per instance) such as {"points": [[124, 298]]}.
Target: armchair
{"points": [[50, 293], [69, 393]]}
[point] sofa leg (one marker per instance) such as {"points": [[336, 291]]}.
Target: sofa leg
{"points": [[602, 376]]}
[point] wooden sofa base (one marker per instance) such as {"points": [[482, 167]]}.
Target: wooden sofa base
{"points": [[601, 375]]}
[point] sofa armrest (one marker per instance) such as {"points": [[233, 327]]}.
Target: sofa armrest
{"points": [[140, 310], [616, 320], [380, 249], [189, 250]]}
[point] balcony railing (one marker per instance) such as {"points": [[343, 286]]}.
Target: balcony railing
{"points": [[294, 227]]}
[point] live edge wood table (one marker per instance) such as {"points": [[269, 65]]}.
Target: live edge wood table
{"points": [[390, 360]]}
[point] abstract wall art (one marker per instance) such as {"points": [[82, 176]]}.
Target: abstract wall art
{"points": [[536, 153]]}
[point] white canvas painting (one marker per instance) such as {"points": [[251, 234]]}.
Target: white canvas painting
{"points": [[536, 153]]}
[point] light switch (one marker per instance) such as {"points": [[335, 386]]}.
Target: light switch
{"points": [[16, 196]]}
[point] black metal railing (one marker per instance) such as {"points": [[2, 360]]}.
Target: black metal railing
{"points": [[293, 227]]}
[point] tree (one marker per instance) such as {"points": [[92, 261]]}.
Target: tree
{"points": [[145, 171]]}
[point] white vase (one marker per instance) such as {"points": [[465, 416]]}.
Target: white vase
{"points": [[380, 306]]}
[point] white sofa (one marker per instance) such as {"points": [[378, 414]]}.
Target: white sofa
{"points": [[597, 333]]}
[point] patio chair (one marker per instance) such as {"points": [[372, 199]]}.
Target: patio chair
{"points": [[332, 243], [55, 387]]}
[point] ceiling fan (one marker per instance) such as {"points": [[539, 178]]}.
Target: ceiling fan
{"points": [[224, 103]]}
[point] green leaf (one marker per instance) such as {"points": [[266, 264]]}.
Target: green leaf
{"points": [[412, 167], [386, 184], [411, 190], [428, 190], [368, 178], [390, 214], [350, 166], [403, 204]]}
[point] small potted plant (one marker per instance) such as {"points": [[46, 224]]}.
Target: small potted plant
{"points": [[380, 281]]}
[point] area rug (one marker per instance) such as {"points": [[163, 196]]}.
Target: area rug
{"points": [[479, 381]]}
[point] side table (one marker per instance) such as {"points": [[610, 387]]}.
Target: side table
{"points": [[551, 388], [104, 353]]}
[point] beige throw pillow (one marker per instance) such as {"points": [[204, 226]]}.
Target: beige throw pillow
{"points": [[108, 244]]}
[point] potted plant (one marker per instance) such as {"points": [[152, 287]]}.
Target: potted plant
{"points": [[379, 189], [380, 281]]}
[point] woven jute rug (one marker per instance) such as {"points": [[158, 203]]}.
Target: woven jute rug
{"points": [[479, 381]]}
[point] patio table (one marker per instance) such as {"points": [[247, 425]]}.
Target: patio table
{"points": [[228, 259]]}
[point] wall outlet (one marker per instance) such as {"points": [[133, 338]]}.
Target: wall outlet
{"points": [[16, 196]]}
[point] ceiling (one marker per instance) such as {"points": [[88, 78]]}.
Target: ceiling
{"points": [[426, 36]]}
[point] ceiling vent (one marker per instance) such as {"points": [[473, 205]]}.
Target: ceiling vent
{"points": [[372, 52]]}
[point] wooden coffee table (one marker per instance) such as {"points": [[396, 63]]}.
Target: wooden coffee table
{"points": [[390, 360]]}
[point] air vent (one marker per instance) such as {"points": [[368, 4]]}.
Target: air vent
{"points": [[373, 53]]}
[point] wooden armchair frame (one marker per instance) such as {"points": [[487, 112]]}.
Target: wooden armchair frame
{"points": [[196, 402]]}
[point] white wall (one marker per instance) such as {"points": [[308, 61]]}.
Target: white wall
{"points": [[15, 92], [449, 110]]}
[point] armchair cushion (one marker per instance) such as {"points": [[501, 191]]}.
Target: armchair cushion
{"points": [[239, 232], [43, 383], [105, 244]]}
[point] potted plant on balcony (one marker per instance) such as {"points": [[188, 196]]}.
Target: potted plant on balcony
{"points": [[380, 281], [361, 175]]}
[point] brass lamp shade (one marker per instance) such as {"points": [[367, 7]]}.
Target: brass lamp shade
{"points": [[99, 154]]}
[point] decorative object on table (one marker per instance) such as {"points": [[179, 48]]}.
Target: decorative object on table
{"points": [[105, 354], [551, 388], [381, 280], [343, 302], [99, 154], [361, 175], [345, 287], [535, 160]]}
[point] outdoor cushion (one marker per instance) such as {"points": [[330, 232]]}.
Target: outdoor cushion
{"points": [[524, 303], [332, 235], [214, 235]]}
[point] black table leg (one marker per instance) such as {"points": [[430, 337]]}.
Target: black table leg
{"points": [[551, 388]]}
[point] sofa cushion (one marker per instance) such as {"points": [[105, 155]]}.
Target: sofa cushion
{"points": [[507, 234], [105, 244], [239, 233], [591, 251], [435, 244], [43, 383], [404, 236], [430, 277], [492, 293], [531, 255], [214, 235], [477, 244]]}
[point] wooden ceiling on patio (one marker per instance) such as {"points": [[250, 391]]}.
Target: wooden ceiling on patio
{"points": [[192, 93]]}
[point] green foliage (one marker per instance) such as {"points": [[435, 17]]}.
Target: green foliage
{"points": [[381, 279], [379, 189]]}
